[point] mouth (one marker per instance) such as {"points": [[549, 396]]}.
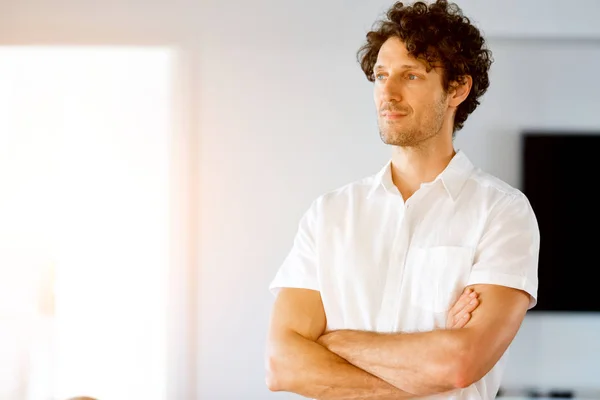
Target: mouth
{"points": [[393, 116]]}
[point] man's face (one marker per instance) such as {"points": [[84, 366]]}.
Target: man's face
{"points": [[411, 103]]}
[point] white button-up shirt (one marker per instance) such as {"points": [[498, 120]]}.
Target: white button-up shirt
{"points": [[384, 265]]}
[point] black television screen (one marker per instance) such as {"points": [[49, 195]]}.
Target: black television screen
{"points": [[560, 175]]}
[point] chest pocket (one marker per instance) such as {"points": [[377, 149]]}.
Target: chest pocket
{"points": [[438, 276]]}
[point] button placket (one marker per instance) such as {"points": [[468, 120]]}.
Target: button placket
{"points": [[387, 320]]}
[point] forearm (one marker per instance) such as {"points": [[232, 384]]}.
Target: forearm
{"points": [[422, 363], [301, 366]]}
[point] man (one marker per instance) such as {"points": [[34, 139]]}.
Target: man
{"points": [[374, 279]]}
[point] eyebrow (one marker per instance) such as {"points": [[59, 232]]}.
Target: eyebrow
{"points": [[405, 66]]}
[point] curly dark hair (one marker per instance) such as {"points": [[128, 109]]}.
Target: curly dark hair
{"points": [[440, 33]]}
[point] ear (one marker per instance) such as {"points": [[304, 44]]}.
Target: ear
{"points": [[460, 90]]}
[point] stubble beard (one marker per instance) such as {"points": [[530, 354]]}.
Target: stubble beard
{"points": [[408, 133]]}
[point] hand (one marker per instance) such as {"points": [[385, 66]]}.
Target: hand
{"points": [[460, 313]]}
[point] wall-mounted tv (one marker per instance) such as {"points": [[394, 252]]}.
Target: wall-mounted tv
{"points": [[560, 176]]}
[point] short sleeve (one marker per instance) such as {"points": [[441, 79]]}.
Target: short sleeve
{"points": [[508, 251], [299, 269]]}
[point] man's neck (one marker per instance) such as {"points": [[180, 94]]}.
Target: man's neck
{"points": [[413, 166]]}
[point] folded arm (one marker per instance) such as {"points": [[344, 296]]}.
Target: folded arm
{"points": [[441, 360], [296, 363]]}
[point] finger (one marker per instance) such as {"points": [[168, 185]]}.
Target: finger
{"points": [[462, 321], [468, 309], [456, 322], [464, 301], [462, 304], [471, 305]]}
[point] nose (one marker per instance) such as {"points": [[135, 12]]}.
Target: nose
{"points": [[388, 90]]}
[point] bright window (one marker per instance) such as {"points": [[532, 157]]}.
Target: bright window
{"points": [[84, 221]]}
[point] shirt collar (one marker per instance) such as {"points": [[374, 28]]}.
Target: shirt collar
{"points": [[383, 180], [453, 177]]}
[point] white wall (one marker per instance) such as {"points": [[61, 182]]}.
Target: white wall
{"points": [[283, 113]]}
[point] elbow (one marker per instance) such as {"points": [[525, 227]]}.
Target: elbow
{"points": [[278, 376], [281, 364], [272, 378], [464, 370], [462, 379]]}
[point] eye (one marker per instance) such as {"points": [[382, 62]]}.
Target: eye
{"points": [[412, 77], [379, 76]]}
